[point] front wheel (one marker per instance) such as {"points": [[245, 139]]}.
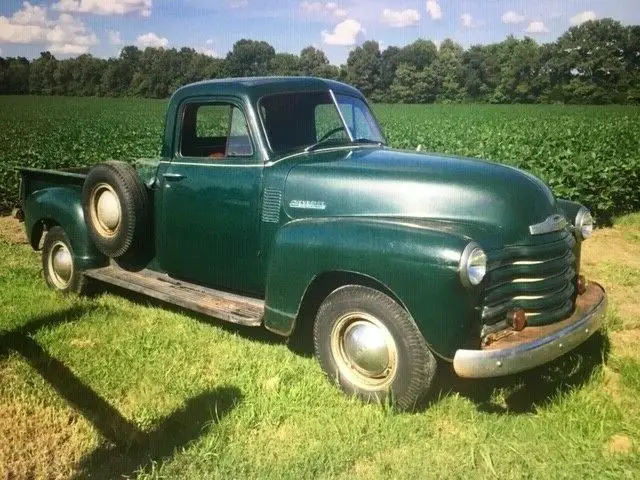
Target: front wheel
{"points": [[60, 271], [371, 346]]}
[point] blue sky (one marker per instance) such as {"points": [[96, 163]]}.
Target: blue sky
{"points": [[101, 27]]}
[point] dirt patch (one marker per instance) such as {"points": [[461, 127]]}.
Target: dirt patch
{"points": [[611, 258], [620, 445], [12, 230], [45, 442], [625, 343], [611, 245]]}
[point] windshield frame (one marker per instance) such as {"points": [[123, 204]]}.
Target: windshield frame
{"points": [[341, 115], [332, 94]]}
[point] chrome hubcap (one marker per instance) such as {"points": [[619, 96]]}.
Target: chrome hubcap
{"points": [[364, 350], [106, 210], [60, 265]]}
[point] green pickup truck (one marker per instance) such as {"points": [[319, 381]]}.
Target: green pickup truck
{"points": [[277, 203]]}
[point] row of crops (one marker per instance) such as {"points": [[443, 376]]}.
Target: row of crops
{"points": [[591, 154]]}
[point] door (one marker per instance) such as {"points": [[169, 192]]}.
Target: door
{"points": [[210, 199]]}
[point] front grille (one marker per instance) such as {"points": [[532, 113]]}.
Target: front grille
{"points": [[539, 279]]}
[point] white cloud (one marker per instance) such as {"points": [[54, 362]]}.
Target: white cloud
{"points": [[114, 37], [152, 40], [67, 49], [512, 17], [583, 17], [398, 18], [238, 3], [105, 7], [210, 52], [537, 27], [320, 8], [32, 25], [30, 15], [433, 7], [345, 33], [466, 19]]}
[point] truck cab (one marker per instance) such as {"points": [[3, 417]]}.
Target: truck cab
{"points": [[277, 203]]}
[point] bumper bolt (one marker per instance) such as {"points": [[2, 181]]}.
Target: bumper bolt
{"points": [[517, 319]]}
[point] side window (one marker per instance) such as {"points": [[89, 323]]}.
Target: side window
{"points": [[214, 131]]}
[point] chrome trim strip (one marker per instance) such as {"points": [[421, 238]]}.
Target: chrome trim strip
{"points": [[552, 223], [499, 362], [344, 122]]}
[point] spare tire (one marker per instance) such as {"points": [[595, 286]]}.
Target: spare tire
{"points": [[116, 206]]}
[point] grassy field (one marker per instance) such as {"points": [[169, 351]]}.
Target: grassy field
{"points": [[590, 154], [117, 385]]}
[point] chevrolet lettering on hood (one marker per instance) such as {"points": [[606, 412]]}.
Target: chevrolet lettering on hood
{"points": [[307, 204]]}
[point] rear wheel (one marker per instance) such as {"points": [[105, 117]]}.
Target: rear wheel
{"points": [[371, 346], [60, 271]]}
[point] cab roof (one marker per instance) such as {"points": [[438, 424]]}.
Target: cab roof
{"points": [[253, 88]]}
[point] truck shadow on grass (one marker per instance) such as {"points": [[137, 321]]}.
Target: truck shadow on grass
{"points": [[127, 449], [528, 391]]}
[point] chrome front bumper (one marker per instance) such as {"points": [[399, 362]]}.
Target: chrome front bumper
{"points": [[535, 346]]}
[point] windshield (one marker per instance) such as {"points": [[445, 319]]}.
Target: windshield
{"points": [[302, 119]]}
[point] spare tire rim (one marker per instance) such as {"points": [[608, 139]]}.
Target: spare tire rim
{"points": [[60, 265], [364, 351], [105, 210]]}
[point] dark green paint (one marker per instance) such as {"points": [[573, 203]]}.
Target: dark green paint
{"points": [[61, 205], [401, 219]]}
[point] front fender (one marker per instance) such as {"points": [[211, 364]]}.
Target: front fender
{"points": [[418, 264], [62, 205]]}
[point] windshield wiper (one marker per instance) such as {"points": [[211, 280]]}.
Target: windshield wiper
{"points": [[368, 140], [320, 143]]}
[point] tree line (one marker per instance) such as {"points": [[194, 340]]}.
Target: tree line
{"points": [[597, 62]]}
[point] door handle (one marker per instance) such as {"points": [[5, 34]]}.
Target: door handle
{"points": [[172, 176]]}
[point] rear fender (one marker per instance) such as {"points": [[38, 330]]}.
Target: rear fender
{"points": [[61, 206], [417, 265]]}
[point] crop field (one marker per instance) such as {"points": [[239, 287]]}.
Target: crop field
{"points": [[587, 153], [116, 385]]}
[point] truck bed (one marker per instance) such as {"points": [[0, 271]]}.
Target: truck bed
{"points": [[34, 179]]}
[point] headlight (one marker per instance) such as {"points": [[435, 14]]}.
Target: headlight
{"points": [[584, 223], [473, 265]]}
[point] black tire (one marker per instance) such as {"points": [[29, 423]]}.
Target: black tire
{"points": [[55, 242], [132, 231], [412, 375]]}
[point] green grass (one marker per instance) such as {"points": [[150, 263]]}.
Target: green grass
{"points": [[115, 385]]}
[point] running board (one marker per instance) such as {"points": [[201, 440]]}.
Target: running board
{"points": [[215, 303]]}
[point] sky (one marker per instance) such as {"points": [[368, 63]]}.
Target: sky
{"points": [[69, 28]]}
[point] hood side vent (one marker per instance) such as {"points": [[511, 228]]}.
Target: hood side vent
{"points": [[271, 204]]}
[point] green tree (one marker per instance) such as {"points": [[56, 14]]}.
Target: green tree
{"points": [[412, 85], [420, 53], [250, 58], [448, 70], [285, 64], [363, 67]]}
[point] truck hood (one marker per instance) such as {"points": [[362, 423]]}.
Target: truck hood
{"points": [[481, 198]]}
